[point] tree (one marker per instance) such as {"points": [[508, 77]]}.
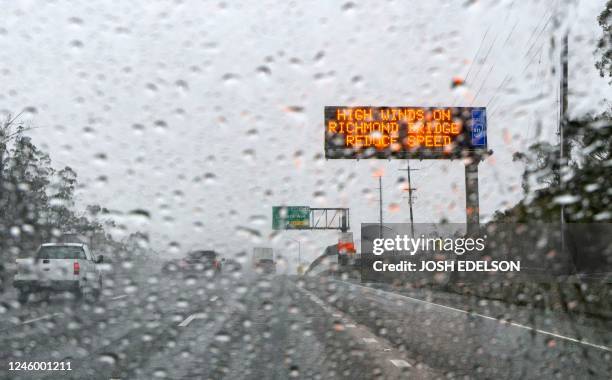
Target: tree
{"points": [[591, 181], [62, 202], [587, 176], [541, 165], [27, 176], [10, 129], [37, 203], [604, 45]]}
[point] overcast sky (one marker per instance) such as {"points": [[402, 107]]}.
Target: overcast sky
{"points": [[208, 113]]}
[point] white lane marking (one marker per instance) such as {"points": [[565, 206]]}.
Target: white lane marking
{"points": [[350, 325], [119, 297], [190, 318], [41, 318], [336, 315], [544, 332], [399, 363]]}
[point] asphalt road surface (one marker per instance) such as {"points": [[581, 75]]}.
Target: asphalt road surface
{"points": [[150, 326]]}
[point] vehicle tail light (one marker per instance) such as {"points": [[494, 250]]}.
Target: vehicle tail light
{"points": [[77, 268]]}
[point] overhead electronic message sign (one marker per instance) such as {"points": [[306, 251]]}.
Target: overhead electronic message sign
{"points": [[405, 132]]}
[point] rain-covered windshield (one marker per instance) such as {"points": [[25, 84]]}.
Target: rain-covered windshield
{"points": [[345, 189]]}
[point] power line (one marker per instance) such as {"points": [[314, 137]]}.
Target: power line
{"points": [[511, 32], [535, 31], [476, 55], [474, 60], [487, 55], [539, 35], [482, 85], [503, 82]]}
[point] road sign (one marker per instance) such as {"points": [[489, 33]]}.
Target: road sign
{"points": [[405, 132], [346, 245], [290, 217]]}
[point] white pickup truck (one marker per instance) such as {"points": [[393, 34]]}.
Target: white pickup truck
{"points": [[59, 267]]}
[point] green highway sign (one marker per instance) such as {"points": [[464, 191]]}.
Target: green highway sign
{"points": [[290, 217]]}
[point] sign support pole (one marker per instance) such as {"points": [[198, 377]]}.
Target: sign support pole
{"points": [[380, 204], [472, 208]]}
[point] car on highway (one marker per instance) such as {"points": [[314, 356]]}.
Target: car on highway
{"points": [[232, 266], [59, 267], [265, 266], [194, 262]]}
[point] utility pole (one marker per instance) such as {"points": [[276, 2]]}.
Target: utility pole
{"points": [[380, 205], [563, 145], [410, 199], [299, 252]]}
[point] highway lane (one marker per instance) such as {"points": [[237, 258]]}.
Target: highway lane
{"points": [[247, 327], [588, 330], [135, 316], [253, 327], [474, 343]]}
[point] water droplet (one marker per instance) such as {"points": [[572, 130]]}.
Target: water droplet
{"points": [[102, 180], [258, 219], [75, 21], [138, 128], [265, 70], [566, 199], [160, 373], [252, 132], [222, 337], [319, 196], [296, 109], [174, 248], [30, 111], [348, 6], [76, 44], [182, 85], [248, 232], [151, 87], [108, 358], [100, 158], [160, 126], [210, 178], [294, 371], [229, 78]]}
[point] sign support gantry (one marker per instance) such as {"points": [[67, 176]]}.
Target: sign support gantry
{"points": [[310, 218]]}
